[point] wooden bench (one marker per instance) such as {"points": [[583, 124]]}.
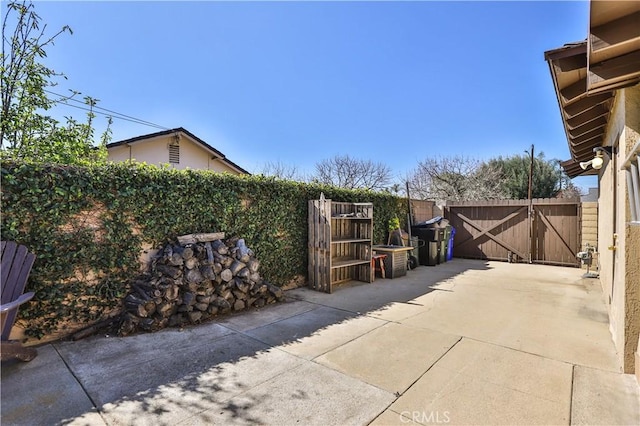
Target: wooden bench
{"points": [[15, 268]]}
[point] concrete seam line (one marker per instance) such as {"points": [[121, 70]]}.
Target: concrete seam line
{"points": [[524, 352], [244, 333], [326, 306], [399, 394], [385, 322], [269, 323], [66, 364], [573, 376]]}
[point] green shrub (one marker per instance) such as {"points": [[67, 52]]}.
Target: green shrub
{"points": [[89, 225]]}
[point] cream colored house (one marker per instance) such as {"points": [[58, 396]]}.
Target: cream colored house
{"points": [[178, 148], [597, 83]]}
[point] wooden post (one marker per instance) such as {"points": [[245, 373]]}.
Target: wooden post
{"points": [[530, 207]]}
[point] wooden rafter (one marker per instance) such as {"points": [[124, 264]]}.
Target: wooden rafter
{"points": [[616, 71], [591, 114], [621, 31], [588, 127], [578, 107]]}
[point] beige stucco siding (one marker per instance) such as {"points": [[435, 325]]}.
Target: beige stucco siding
{"points": [[118, 153], [631, 237], [606, 199], [156, 151], [218, 166], [191, 156], [618, 240], [152, 151]]}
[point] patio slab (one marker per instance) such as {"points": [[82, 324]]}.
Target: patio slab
{"points": [[44, 392], [228, 365], [525, 307], [398, 311], [604, 397], [113, 355], [466, 342], [391, 357], [358, 297], [210, 387], [479, 383], [315, 332], [267, 315], [309, 395]]}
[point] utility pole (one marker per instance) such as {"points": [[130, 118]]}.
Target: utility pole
{"points": [[531, 208], [530, 174]]}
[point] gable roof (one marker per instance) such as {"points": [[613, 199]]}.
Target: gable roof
{"points": [[181, 130]]}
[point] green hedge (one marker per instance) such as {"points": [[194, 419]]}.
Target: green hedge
{"points": [[89, 225]]}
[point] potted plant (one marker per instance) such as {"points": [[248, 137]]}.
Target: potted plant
{"points": [[395, 233]]}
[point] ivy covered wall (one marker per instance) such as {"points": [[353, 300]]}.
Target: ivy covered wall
{"points": [[88, 227]]}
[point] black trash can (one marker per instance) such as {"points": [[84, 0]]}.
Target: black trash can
{"points": [[430, 252]]}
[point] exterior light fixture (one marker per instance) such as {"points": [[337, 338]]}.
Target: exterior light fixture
{"points": [[598, 158]]}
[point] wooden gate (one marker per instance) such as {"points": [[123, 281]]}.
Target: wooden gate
{"points": [[505, 230]]}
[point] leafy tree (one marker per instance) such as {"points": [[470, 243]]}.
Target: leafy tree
{"points": [[454, 178], [514, 172], [26, 130], [350, 173]]}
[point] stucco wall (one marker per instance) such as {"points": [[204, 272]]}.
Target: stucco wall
{"points": [[618, 241], [118, 154], [631, 239], [153, 151], [606, 210], [156, 151], [632, 300]]}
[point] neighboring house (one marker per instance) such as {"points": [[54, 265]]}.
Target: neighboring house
{"points": [[598, 91], [590, 196], [178, 148]]}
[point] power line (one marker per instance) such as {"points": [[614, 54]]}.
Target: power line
{"points": [[117, 117], [103, 111]]}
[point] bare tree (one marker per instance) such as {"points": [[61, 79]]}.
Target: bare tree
{"points": [[351, 173], [455, 178], [282, 171], [569, 190]]}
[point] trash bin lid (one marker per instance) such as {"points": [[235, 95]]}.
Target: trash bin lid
{"points": [[429, 223]]}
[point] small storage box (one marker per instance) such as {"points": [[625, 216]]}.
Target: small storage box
{"points": [[395, 264]]}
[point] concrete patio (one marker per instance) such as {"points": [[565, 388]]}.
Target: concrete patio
{"points": [[466, 342]]}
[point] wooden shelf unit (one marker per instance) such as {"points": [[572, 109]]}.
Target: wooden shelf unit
{"points": [[340, 243]]}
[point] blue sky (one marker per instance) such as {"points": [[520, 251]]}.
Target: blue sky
{"points": [[298, 82]]}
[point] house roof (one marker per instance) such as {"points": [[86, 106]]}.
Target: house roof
{"points": [[587, 73], [180, 130]]}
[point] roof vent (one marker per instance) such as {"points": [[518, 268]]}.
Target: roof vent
{"points": [[174, 154]]}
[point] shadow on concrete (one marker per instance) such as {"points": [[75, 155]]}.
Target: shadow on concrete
{"points": [[210, 373]]}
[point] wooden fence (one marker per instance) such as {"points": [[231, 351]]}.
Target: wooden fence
{"points": [[543, 231], [422, 210]]}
